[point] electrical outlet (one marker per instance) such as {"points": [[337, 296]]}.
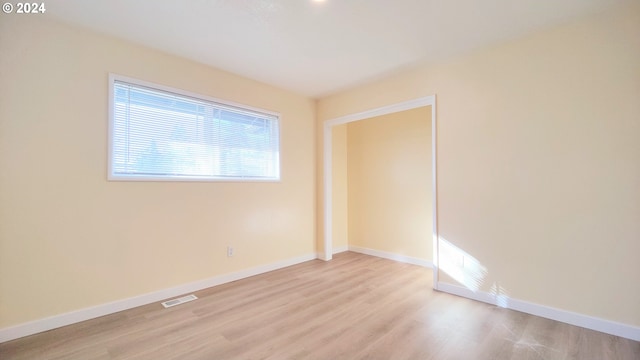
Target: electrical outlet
{"points": [[230, 251]]}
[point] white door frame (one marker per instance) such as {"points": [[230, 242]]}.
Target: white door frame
{"points": [[327, 181]]}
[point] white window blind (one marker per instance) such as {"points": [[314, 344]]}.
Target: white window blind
{"points": [[158, 134]]}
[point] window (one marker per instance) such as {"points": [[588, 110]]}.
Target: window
{"points": [[157, 133]]}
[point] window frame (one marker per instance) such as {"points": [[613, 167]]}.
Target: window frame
{"points": [[111, 176]]}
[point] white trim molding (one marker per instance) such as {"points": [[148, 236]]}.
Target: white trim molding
{"points": [[392, 256], [328, 175], [568, 317], [385, 110], [336, 250], [340, 249], [56, 321]]}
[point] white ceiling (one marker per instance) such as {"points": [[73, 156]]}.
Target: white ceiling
{"points": [[318, 48]]}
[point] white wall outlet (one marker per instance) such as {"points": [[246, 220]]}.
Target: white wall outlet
{"points": [[230, 251]]}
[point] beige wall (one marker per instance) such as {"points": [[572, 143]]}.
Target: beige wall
{"points": [[70, 239], [538, 160], [339, 191], [389, 183]]}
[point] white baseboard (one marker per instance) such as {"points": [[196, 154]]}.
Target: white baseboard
{"points": [[392, 256], [585, 321], [340, 249], [335, 250], [56, 321], [52, 322]]}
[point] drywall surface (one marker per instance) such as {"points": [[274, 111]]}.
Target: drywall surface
{"points": [[538, 162], [389, 183], [69, 238]]}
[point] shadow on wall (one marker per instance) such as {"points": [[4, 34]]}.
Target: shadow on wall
{"points": [[468, 271]]}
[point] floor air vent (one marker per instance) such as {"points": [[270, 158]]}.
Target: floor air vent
{"points": [[178, 301]]}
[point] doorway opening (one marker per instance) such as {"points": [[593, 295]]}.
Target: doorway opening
{"points": [[428, 101]]}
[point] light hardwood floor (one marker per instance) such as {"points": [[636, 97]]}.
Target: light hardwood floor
{"points": [[353, 307]]}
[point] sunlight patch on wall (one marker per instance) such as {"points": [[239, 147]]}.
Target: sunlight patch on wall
{"points": [[461, 266]]}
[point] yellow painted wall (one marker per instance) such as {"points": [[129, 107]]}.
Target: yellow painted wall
{"points": [[538, 160], [70, 239], [389, 183], [339, 197]]}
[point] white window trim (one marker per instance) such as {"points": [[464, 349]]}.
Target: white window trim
{"points": [[176, 178]]}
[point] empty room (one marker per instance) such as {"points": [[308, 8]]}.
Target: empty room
{"points": [[300, 179]]}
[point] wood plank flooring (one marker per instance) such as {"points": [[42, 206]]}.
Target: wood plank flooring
{"points": [[353, 307]]}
